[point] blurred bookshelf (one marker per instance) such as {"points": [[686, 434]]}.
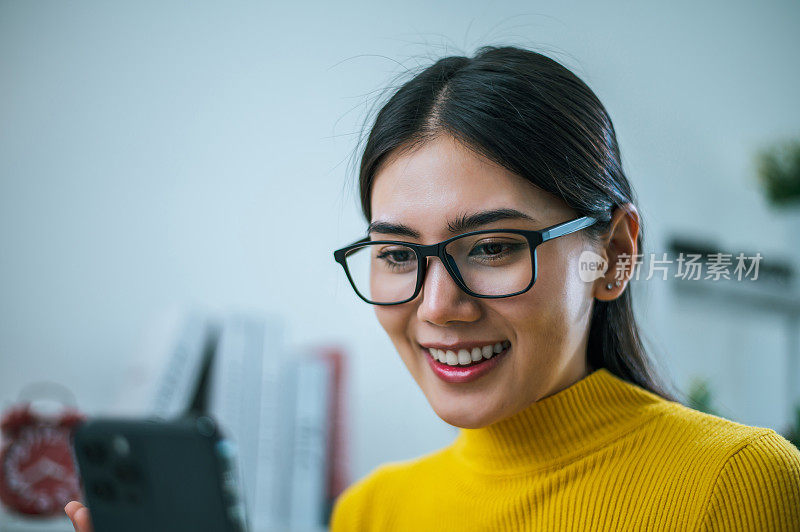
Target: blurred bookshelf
{"points": [[282, 408]]}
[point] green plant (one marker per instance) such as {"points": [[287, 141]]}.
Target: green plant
{"points": [[699, 396], [793, 432], [778, 171]]}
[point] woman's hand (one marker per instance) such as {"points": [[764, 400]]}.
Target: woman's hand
{"points": [[79, 515]]}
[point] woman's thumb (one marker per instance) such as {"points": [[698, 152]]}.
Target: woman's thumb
{"points": [[79, 515]]}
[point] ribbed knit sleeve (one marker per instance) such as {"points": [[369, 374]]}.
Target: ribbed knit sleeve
{"points": [[758, 488], [352, 509], [348, 510]]}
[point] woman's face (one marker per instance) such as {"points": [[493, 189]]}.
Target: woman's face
{"points": [[547, 326]]}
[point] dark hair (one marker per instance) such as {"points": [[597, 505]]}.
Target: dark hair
{"points": [[534, 117]]}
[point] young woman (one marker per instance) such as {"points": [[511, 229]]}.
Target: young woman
{"points": [[493, 189], [501, 228]]}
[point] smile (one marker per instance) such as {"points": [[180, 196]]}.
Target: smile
{"points": [[465, 365], [467, 357]]}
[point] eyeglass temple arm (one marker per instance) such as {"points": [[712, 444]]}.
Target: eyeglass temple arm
{"points": [[566, 228]]}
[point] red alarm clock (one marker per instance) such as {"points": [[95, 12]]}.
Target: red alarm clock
{"points": [[38, 475]]}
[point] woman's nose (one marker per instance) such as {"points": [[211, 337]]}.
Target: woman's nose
{"points": [[441, 300]]}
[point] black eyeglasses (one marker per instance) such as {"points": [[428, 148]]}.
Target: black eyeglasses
{"points": [[492, 263]]}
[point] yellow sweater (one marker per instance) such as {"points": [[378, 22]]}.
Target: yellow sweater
{"points": [[602, 454]]}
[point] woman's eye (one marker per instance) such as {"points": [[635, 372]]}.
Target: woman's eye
{"points": [[491, 248], [397, 256], [498, 251], [494, 249]]}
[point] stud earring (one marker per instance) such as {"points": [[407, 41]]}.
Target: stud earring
{"points": [[608, 286]]}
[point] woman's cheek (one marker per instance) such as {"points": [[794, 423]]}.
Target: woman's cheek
{"points": [[394, 321]]}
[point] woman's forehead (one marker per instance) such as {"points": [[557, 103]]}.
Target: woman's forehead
{"points": [[414, 192], [426, 180], [442, 180], [433, 207]]}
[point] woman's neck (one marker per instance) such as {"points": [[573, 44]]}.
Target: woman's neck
{"points": [[568, 423]]}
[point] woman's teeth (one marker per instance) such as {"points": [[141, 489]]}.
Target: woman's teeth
{"points": [[464, 356]]}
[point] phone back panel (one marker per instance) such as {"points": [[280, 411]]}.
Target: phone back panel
{"points": [[157, 475]]}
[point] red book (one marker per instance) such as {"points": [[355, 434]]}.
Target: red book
{"points": [[337, 474]]}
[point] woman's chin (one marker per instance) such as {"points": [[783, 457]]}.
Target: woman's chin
{"points": [[465, 415]]}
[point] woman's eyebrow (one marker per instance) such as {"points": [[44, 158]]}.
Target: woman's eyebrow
{"points": [[460, 225]]}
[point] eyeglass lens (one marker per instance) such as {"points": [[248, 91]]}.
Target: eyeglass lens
{"points": [[491, 264]]}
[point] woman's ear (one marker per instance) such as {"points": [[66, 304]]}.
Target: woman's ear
{"points": [[619, 249]]}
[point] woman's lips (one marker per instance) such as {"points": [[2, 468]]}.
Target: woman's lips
{"points": [[467, 373]]}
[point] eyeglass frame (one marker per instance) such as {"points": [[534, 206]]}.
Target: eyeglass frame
{"points": [[534, 237]]}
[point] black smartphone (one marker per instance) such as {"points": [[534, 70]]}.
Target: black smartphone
{"points": [[156, 475]]}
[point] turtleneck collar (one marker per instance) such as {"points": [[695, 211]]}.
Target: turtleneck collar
{"points": [[587, 414]]}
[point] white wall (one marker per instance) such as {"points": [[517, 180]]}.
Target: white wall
{"points": [[156, 154]]}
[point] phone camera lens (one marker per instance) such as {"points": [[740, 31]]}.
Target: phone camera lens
{"points": [[104, 490]]}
